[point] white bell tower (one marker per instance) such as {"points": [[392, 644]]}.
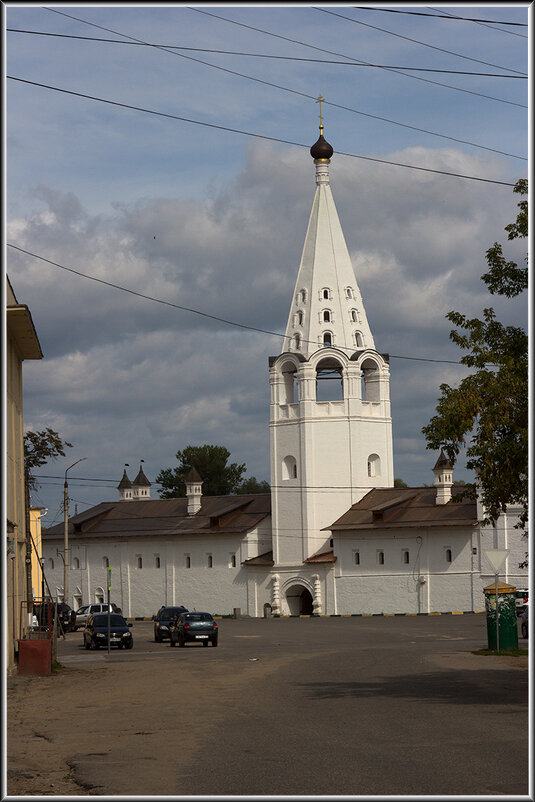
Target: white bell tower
{"points": [[330, 421]]}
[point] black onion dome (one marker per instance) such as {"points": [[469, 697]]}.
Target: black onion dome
{"points": [[321, 149]]}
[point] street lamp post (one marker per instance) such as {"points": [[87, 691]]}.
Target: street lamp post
{"points": [[66, 560]]}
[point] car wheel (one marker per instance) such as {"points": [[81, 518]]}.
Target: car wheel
{"points": [[214, 642], [129, 645]]}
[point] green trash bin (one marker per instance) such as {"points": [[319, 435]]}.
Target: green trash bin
{"points": [[507, 624]]}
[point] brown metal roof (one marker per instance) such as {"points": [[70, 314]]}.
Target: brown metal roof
{"points": [[323, 557], [167, 517], [262, 559], [392, 507]]}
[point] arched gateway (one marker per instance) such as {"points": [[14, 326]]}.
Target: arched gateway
{"points": [[299, 600]]}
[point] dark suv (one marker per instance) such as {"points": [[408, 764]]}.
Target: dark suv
{"points": [[163, 620], [45, 612], [198, 627]]}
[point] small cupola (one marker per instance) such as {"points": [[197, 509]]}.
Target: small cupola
{"points": [[321, 150], [141, 486], [443, 472], [193, 491], [125, 486]]}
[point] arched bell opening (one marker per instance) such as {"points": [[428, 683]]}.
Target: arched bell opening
{"points": [[371, 380], [329, 381], [289, 385]]}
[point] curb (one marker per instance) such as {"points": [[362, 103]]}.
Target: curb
{"points": [[342, 615]]}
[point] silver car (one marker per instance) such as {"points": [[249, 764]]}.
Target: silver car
{"points": [[83, 613]]}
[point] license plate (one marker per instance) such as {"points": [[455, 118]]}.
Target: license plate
{"points": [[198, 637], [115, 640]]}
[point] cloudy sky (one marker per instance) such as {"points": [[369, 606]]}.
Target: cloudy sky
{"points": [[183, 173]]}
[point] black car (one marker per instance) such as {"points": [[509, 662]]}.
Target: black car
{"points": [[46, 611], [163, 620], [96, 631], [197, 627]]}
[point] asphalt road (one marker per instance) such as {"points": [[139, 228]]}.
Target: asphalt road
{"points": [[298, 707]]}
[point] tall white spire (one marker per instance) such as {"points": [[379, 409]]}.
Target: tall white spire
{"points": [[327, 307]]}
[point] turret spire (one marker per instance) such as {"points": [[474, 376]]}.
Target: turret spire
{"points": [[327, 308]]}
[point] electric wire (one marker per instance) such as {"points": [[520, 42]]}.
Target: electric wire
{"points": [[330, 52], [293, 91], [272, 138], [484, 24], [442, 16], [206, 314], [266, 55], [416, 41]]}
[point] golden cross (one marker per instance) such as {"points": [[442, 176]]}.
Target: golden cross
{"points": [[320, 100]]}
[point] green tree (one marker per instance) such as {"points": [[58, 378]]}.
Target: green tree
{"points": [[39, 448], [210, 462], [400, 483], [488, 410], [251, 485]]}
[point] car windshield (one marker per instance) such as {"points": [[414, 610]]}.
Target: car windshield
{"points": [[170, 612], [520, 594], [102, 620], [198, 617]]}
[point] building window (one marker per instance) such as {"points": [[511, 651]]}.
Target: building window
{"points": [[359, 342], [354, 315], [381, 557], [289, 468], [356, 557], [303, 296], [76, 563], [209, 561], [405, 557], [50, 562], [157, 562], [327, 339], [105, 562], [326, 316], [325, 293], [99, 596], [349, 292], [187, 561], [374, 465], [448, 555], [297, 342], [299, 318], [139, 559], [232, 561]]}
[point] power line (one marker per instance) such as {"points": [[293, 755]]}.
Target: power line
{"points": [[482, 23], [288, 89], [441, 16], [330, 52], [203, 314], [265, 136], [266, 55], [416, 41]]}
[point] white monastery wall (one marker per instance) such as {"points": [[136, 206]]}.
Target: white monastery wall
{"points": [[433, 570], [151, 571]]}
